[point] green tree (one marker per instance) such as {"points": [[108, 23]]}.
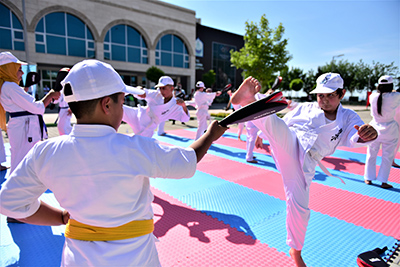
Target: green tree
{"points": [[264, 53], [153, 74], [289, 75], [209, 78], [309, 81], [296, 84]]}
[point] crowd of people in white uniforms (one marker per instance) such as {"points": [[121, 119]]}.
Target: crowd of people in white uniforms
{"points": [[299, 141]]}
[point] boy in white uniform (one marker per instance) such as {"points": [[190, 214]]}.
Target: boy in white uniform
{"points": [[161, 106], [202, 101], [26, 126], [383, 109], [301, 139], [105, 187]]}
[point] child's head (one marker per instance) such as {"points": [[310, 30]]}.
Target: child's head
{"points": [[10, 67], [329, 91], [385, 84], [200, 86], [166, 86], [95, 93]]}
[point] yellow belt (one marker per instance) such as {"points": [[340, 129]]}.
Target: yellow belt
{"points": [[81, 231]]}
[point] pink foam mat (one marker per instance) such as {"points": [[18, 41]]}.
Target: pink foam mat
{"points": [[344, 205], [200, 240], [329, 162]]}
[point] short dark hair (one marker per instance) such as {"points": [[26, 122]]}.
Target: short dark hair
{"points": [[87, 107], [339, 92]]}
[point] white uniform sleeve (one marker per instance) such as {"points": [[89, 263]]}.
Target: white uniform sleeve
{"points": [[14, 98], [22, 182], [174, 162]]}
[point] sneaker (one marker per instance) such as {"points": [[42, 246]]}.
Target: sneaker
{"points": [[252, 161], [386, 186], [368, 182]]}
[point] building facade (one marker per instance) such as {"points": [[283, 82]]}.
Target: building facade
{"points": [[132, 36], [213, 48]]}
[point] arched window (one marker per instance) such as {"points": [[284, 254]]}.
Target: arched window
{"points": [[171, 51], [64, 34], [11, 31], [124, 43]]}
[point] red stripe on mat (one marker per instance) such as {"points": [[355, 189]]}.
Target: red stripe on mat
{"points": [[361, 150], [329, 162], [200, 240]]}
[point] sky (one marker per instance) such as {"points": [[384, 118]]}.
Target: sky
{"points": [[317, 31]]}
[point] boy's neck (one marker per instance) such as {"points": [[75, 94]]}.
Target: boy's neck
{"points": [[331, 115]]}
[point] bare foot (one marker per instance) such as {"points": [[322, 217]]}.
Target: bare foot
{"points": [[296, 256], [245, 94]]}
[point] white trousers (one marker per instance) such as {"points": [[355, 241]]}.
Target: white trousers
{"points": [[251, 136], [285, 151], [388, 138], [202, 117]]}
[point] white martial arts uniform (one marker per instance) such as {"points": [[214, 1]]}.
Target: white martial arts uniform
{"points": [[144, 120], [3, 157], [104, 183], [202, 101], [298, 142], [240, 124], [388, 136], [23, 131], [251, 136], [64, 118]]}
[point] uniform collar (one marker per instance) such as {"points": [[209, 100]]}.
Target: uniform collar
{"points": [[92, 130]]}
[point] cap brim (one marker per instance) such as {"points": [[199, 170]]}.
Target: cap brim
{"points": [[323, 90], [22, 63], [133, 90], [162, 85]]}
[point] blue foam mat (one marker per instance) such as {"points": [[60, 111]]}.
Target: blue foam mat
{"points": [[354, 183]]}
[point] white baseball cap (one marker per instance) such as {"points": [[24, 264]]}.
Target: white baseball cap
{"points": [[328, 83], [200, 84], [7, 57], [385, 79], [164, 80], [92, 79]]}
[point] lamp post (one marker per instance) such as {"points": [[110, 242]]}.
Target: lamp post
{"points": [[333, 59]]}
